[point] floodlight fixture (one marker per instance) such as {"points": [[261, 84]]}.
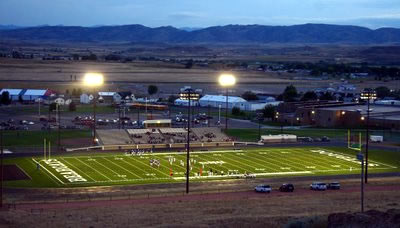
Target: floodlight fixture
{"points": [[93, 79], [227, 80]]}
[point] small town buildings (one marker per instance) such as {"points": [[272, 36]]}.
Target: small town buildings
{"points": [[180, 102], [220, 100], [106, 97], [28, 95], [121, 97]]}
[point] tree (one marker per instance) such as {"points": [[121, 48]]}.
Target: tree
{"points": [[236, 111], [67, 90], [72, 107], [249, 96], [309, 96], [20, 99], [172, 98], [52, 106], [5, 98], [152, 89], [327, 96], [269, 112], [79, 92], [382, 92], [189, 64], [290, 93], [74, 94]]}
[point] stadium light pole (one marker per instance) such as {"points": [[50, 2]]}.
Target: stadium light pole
{"points": [[226, 80], [369, 95], [94, 80], [190, 96]]}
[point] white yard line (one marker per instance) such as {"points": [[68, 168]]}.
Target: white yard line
{"points": [[121, 167], [371, 161], [153, 168], [118, 175], [42, 166], [320, 162], [92, 169], [82, 173]]}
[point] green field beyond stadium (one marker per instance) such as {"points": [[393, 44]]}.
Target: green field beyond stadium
{"points": [[119, 168]]}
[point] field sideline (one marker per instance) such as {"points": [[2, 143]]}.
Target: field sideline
{"points": [[119, 168]]}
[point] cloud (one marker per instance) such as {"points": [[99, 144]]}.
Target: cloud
{"points": [[185, 15]]}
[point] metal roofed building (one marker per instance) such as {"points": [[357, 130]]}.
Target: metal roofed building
{"points": [[34, 94], [217, 100], [13, 93]]}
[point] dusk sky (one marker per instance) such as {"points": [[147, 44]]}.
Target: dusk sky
{"points": [[200, 13]]}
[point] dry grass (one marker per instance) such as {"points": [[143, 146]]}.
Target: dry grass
{"points": [[241, 211]]}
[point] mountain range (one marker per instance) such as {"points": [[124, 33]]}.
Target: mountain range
{"points": [[262, 34]]}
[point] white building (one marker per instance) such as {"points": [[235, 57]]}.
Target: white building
{"points": [[278, 138], [121, 97], [180, 102], [59, 101], [107, 97], [217, 100], [84, 98], [253, 106]]}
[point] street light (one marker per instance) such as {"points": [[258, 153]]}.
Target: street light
{"points": [[367, 94], [227, 80], [93, 80], [190, 96]]}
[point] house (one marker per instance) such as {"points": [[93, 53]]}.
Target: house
{"points": [[59, 101], [106, 97], [122, 97], [85, 98]]}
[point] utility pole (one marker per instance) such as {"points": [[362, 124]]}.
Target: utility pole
{"points": [[1, 169], [59, 127], [360, 157], [208, 116], [367, 139], [188, 146]]}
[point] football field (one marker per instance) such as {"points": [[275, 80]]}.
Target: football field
{"points": [[119, 168]]}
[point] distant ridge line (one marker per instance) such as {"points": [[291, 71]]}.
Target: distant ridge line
{"points": [[263, 34]]}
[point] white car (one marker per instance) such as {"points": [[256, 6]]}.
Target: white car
{"points": [[319, 186], [263, 188]]}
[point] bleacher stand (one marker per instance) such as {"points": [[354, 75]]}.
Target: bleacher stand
{"points": [[210, 135], [160, 136], [113, 137]]}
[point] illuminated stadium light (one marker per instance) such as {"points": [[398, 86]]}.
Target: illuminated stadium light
{"points": [[313, 112], [362, 118], [226, 80], [343, 112], [93, 79]]}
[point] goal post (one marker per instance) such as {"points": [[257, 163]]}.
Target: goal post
{"points": [[354, 140]]}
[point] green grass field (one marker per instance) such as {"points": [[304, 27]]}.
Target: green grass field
{"points": [[119, 168]]}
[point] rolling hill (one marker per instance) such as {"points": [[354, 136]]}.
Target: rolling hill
{"points": [[306, 33]]}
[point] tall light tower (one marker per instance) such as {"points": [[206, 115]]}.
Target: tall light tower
{"points": [[367, 94], [227, 81], [93, 80], [190, 96]]}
